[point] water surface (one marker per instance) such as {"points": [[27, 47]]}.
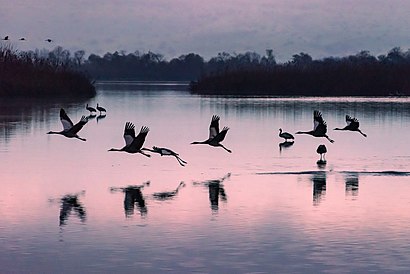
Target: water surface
{"points": [[72, 206]]}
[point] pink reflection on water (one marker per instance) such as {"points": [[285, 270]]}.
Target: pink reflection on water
{"points": [[254, 193]]}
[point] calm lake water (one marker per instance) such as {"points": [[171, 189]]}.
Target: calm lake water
{"points": [[73, 207]]}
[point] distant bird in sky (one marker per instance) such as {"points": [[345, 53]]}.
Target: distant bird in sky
{"points": [[101, 109], [133, 144], [90, 109], [6, 38], [166, 152], [48, 40], [319, 127], [215, 137], [352, 125], [321, 149], [167, 194], [285, 135], [69, 129]]}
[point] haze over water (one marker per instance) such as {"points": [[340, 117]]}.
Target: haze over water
{"points": [[66, 205]]}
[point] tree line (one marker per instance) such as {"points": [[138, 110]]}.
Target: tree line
{"points": [[246, 73], [250, 73], [355, 75], [41, 73]]}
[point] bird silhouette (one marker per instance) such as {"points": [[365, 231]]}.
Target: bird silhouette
{"points": [[48, 40], [321, 149], [166, 152], [22, 39], [69, 129], [215, 137], [101, 109], [90, 109], [6, 38], [319, 128], [133, 144], [166, 195], [352, 125], [285, 135]]}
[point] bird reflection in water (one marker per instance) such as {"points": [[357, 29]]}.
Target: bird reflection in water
{"points": [[133, 196], [70, 203], [285, 145], [167, 195], [352, 185], [216, 191], [319, 187], [101, 116], [91, 116]]}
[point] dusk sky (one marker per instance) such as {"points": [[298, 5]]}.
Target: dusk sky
{"points": [[318, 27]]}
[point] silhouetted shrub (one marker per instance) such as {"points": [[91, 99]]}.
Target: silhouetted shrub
{"points": [[33, 75]]}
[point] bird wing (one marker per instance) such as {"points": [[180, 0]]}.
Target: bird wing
{"points": [[65, 120], [129, 133], [140, 139], [214, 127], [352, 122], [317, 119], [76, 128], [220, 136]]}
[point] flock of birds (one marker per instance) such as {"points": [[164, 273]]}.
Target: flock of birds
{"points": [[320, 130], [7, 38], [134, 143]]}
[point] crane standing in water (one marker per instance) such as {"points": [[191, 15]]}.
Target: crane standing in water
{"points": [[321, 149]]}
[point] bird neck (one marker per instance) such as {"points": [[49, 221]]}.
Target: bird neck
{"points": [[338, 128], [54, 132], [115, 149], [303, 132]]}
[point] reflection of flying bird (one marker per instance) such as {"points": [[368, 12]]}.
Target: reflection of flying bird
{"points": [[166, 152], [70, 203], [69, 129], [320, 127], [133, 144], [352, 125], [133, 196], [6, 38], [215, 137], [285, 135], [216, 191], [90, 109], [167, 194], [321, 149], [22, 39], [101, 109], [48, 40]]}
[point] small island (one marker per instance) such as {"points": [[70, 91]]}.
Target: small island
{"points": [[40, 75]]}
